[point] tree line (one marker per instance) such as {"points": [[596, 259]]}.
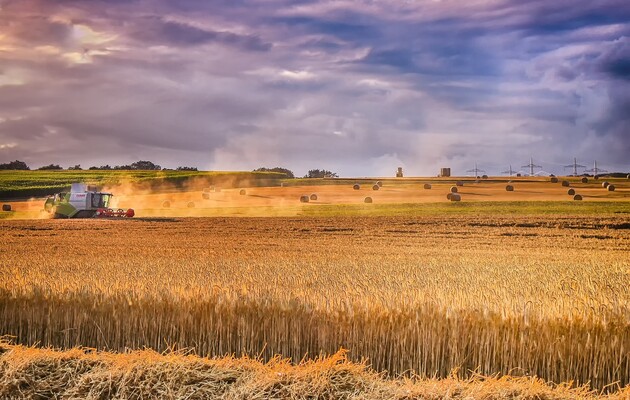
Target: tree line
{"points": [[150, 166], [138, 165]]}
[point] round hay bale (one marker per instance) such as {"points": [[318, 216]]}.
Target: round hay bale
{"points": [[484, 176], [459, 183], [605, 184], [313, 196], [356, 186], [577, 197], [191, 204], [611, 188], [367, 200], [205, 196], [448, 196], [628, 176], [304, 199], [509, 188], [455, 197], [478, 177], [6, 207], [281, 184], [571, 192], [566, 183], [379, 183], [596, 177], [166, 204], [585, 180], [427, 186], [242, 192], [453, 189], [376, 187], [554, 179]]}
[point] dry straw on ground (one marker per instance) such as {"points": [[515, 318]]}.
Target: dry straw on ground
{"points": [[29, 373]]}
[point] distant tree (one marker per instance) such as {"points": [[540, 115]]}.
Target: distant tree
{"points": [[50, 167], [75, 168], [187, 169], [316, 173], [140, 165], [289, 174], [106, 167], [15, 165]]}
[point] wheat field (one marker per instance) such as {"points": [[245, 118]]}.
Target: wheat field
{"points": [[410, 296]]}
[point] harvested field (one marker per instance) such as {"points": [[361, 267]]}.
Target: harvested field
{"points": [[145, 374], [543, 296], [285, 201]]}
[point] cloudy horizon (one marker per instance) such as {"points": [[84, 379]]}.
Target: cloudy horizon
{"points": [[357, 87]]}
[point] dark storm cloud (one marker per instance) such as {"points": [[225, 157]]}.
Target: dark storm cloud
{"points": [[359, 87]]}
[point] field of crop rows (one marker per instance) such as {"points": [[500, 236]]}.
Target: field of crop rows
{"points": [[544, 296]]}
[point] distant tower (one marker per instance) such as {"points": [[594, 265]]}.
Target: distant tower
{"points": [[595, 170], [531, 166], [476, 170], [575, 166], [399, 173], [509, 171]]}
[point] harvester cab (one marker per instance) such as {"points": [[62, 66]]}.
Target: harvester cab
{"points": [[83, 202]]}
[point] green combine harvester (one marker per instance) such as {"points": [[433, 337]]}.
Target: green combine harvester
{"points": [[84, 202]]}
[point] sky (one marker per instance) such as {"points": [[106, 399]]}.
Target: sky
{"points": [[357, 87]]}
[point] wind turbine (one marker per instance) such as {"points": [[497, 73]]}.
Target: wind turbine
{"points": [[575, 166], [531, 166]]}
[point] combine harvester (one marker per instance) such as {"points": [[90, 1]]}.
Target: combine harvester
{"points": [[83, 202]]}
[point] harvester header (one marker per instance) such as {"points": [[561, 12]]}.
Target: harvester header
{"points": [[84, 201]]}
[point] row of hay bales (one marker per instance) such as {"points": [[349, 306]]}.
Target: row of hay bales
{"points": [[167, 204], [376, 186], [608, 186], [306, 198]]}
